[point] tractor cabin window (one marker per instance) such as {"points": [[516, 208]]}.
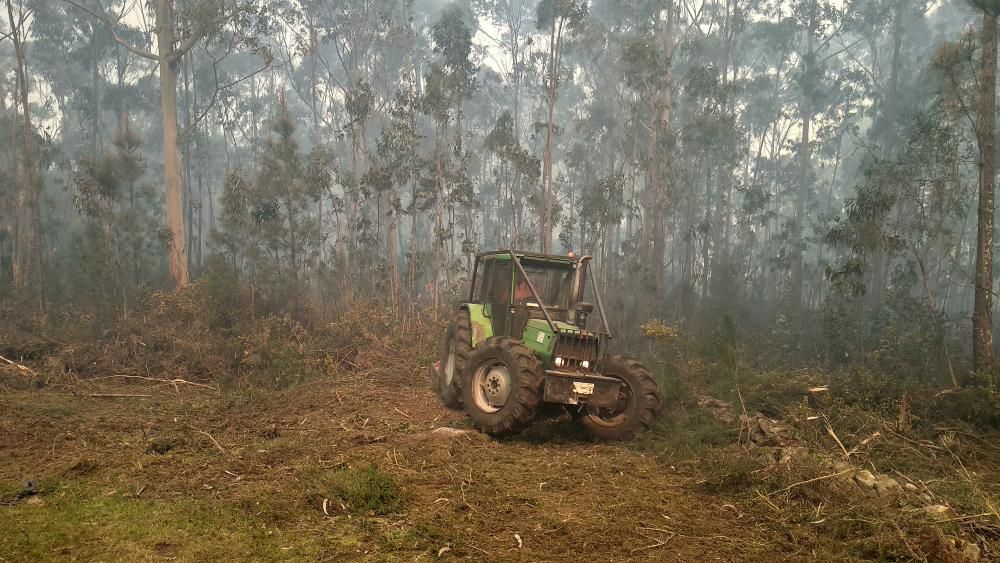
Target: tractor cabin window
{"points": [[554, 285], [484, 282], [501, 278]]}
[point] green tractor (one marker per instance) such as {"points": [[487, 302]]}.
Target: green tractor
{"points": [[521, 342]]}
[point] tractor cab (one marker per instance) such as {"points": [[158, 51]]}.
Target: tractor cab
{"points": [[500, 283], [536, 298]]}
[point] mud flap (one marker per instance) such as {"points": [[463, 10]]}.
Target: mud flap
{"points": [[574, 389]]}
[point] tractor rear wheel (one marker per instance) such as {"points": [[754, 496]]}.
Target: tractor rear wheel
{"points": [[639, 403], [504, 386], [454, 358]]}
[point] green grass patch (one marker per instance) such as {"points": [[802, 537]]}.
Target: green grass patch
{"points": [[685, 434], [73, 522], [368, 490], [364, 490]]}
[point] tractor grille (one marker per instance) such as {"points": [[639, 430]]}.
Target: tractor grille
{"points": [[575, 347]]}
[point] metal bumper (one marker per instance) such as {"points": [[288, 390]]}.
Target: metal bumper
{"points": [[569, 388]]}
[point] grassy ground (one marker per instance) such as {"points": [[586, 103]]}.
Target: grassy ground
{"points": [[347, 468]]}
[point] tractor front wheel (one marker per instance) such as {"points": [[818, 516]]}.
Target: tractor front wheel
{"points": [[455, 353], [638, 405], [503, 388]]}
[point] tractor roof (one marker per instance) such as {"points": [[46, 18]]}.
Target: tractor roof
{"points": [[534, 256]]}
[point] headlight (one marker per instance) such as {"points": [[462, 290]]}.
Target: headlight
{"points": [[559, 362], [585, 364]]}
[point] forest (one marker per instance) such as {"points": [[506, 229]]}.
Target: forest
{"points": [[234, 232]]}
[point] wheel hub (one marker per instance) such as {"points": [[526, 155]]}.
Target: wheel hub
{"points": [[491, 387]]}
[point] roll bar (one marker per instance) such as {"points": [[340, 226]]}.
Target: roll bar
{"points": [[534, 292]]}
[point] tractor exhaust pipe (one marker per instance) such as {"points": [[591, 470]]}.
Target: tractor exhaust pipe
{"points": [[578, 286]]}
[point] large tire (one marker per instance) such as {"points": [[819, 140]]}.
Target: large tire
{"points": [[503, 387], [455, 351], [639, 403]]}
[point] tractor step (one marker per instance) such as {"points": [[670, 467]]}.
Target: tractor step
{"points": [[569, 388]]}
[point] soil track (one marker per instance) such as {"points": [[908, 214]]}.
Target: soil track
{"points": [[199, 476]]}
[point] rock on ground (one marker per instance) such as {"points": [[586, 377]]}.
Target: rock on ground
{"points": [[865, 479], [448, 432], [959, 550], [887, 486], [939, 512]]}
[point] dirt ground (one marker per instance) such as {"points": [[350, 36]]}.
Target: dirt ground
{"points": [[198, 475]]}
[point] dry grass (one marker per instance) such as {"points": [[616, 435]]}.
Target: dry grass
{"points": [[116, 475], [271, 461]]}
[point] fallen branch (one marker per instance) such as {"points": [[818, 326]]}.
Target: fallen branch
{"points": [[768, 501], [210, 438], [655, 545], [119, 395], [863, 443], [922, 443], [829, 430], [21, 367], [907, 479], [967, 517], [824, 477], [175, 381]]}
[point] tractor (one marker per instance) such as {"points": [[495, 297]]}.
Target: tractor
{"points": [[521, 343]]}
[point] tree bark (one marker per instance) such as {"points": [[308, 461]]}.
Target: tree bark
{"points": [[805, 155], [982, 316], [27, 251], [173, 187], [546, 203], [438, 221]]}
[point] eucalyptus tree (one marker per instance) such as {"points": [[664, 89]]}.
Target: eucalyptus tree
{"points": [[982, 314], [647, 68], [450, 79], [175, 36], [507, 83], [27, 266], [557, 17], [72, 48], [513, 19], [396, 163], [517, 166], [820, 21]]}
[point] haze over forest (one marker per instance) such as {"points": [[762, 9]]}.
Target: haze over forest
{"points": [[809, 168], [236, 237]]}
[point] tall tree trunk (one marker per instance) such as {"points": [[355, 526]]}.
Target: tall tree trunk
{"points": [[805, 155], [173, 188], [982, 315], [27, 251], [186, 161], [393, 250], [95, 52], [655, 222], [890, 138], [547, 195], [413, 95], [438, 221]]}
